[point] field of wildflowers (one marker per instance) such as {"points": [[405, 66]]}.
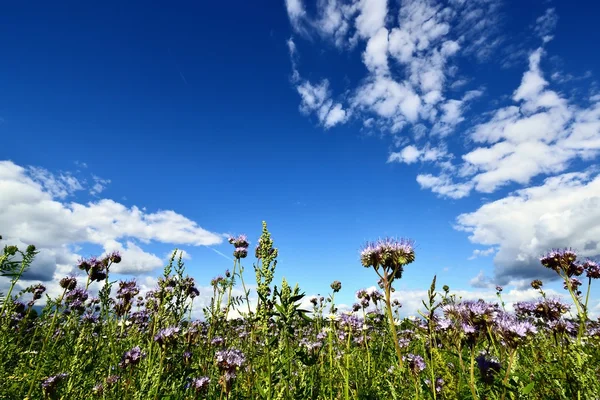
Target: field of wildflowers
{"points": [[120, 345]]}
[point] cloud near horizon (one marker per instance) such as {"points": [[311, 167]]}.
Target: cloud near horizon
{"points": [[34, 209]]}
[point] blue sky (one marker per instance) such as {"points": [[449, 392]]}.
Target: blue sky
{"points": [[471, 127]]}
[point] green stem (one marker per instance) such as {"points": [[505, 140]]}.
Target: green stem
{"points": [[511, 357], [472, 375]]}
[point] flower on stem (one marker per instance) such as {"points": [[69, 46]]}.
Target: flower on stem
{"points": [[336, 286], [166, 335], [488, 367], [513, 331], [68, 282], [132, 357], [416, 363], [49, 384], [592, 269], [536, 284], [199, 384]]}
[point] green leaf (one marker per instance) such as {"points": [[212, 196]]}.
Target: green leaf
{"points": [[527, 389]]}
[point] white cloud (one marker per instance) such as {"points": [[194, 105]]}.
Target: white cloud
{"points": [[541, 134], [444, 186], [563, 211], [545, 25], [316, 98], [371, 17], [99, 185], [32, 212], [409, 154], [482, 253], [407, 59]]}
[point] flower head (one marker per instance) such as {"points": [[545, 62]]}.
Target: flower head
{"points": [[416, 363], [199, 384], [132, 357], [49, 384]]}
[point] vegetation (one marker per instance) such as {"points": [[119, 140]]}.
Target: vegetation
{"points": [[121, 345]]}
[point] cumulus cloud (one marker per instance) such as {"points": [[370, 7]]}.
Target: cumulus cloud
{"points": [[316, 98], [33, 211], [407, 56], [541, 133], [563, 211], [482, 253]]}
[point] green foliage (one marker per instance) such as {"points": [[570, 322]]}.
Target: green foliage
{"points": [[130, 345]]}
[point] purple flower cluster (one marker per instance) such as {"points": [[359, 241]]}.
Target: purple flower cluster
{"points": [[167, 335], [127, 291], [513, 331], [97, 268], [75, 299], [241, 244], [49, 384], [132, 357], [229, 361], [472, 316], [390, 254], [546, 309], [199, 384], [488, 367], [416, 363]]}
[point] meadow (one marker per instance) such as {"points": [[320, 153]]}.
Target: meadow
{"points": [[121, 345]]}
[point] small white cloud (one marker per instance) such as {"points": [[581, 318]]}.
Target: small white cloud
{"points": [[482, 253]]}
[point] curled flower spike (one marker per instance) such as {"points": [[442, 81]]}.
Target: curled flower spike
{"points": [[336, 286]]}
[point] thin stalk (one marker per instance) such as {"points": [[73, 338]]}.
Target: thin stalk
{"points": [[472, 375]]}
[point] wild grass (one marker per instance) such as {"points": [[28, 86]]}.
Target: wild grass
{"points": [[120, 345]]}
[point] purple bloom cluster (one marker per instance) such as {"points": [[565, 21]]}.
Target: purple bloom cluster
{"points": [[391, 254], [416, 363], [229, 361], [488, 367], [241, 244], [166, 335], [472, 316], [592, 269], [68, 283], [199, 384], [127, 291], [132, 357], [97, 269], [75, 299], [49, 384], [546, 309], [513, 331]]}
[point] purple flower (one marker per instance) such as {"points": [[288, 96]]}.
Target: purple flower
{"points": [[388, 253], [127, 290], [69, 283], [217, 341], [488, 367], [230, 359], [166, 335], [416, 363], [240, 252], [592, 269], [37, 291], [199, 384], [239, 241], [49, 384], [115, 257], [513, 331], [559, 259], [132, 357]]}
